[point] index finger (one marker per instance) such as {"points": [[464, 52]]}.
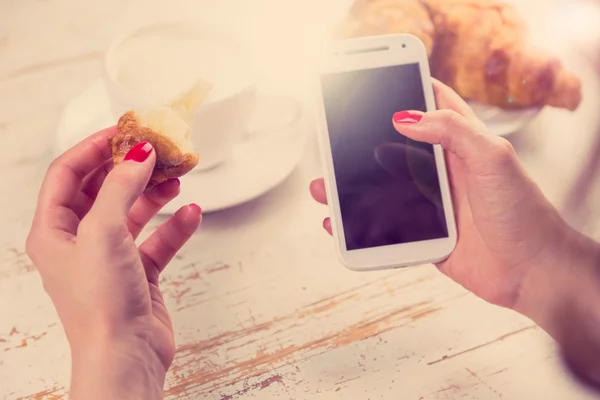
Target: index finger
{"points": [[65, 175]]}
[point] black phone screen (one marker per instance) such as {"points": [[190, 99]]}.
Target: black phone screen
{"points": [[388, 185]]}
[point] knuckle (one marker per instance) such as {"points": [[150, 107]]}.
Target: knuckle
{"points": [[168, 239], [90, 226], [35, 250], [47, 285], [118, 177], [125, 178], [501, 151], [480, 125], [452, 119], [149, 261], [31, 245], [55, 164], [135, 225]]}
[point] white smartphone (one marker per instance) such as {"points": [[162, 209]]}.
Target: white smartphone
{"points": [[389, 196]]}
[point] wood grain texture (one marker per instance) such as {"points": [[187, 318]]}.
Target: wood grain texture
{"points": [[261, 307]]}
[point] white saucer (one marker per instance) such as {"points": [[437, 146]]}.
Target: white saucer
{"points": [[504, 122], [256, 165]]}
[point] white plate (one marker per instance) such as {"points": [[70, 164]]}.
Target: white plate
{"points": [[504, 122], [256, 165]]}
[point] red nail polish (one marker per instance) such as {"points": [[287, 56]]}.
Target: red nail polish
{"points": [[139, 152], [196, 207], [407, 117]]}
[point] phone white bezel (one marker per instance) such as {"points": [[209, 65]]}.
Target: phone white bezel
{"points": [[369, 53]]}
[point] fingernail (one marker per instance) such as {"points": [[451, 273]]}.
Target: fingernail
{"points": [[139, 152], [196, 207], [407, 117], [178, 181]]}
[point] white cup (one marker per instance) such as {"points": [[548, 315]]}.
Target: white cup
{"points": [[138, 65]]}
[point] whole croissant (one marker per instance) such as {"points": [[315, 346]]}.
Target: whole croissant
{"points": [[480, 50]]}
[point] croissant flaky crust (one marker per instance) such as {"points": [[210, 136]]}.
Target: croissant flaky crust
{"points": [[479, 49], [171, 161]]}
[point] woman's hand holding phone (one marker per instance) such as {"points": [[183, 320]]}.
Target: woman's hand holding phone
{"points": [[505, 223], [514, 250]]}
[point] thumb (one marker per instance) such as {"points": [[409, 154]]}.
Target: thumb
{"points": [[125, 183], [456, 134], [448, 99]]}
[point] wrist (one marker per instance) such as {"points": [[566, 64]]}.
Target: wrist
{"points": [[123, 368], [562, 297], [552, 285]]}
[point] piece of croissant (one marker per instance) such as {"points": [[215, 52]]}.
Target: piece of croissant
{"points": [[481, 51], [167, 129], [380, 17]]}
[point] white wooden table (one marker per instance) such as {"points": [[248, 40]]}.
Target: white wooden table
{"points": [[260, 305]]}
